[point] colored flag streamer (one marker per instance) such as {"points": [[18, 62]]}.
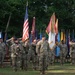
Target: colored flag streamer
{"points": [[56, 27], [62, 34], [33, 29], [51, 30], [40, 35], [58, 48], [50, 27]]}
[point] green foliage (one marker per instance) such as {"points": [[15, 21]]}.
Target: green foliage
{"points": [[41, 9]]}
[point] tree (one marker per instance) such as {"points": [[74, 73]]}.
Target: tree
{"points": [[41, 9]]}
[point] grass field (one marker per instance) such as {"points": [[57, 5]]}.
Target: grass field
{"points": [[57, 69]]}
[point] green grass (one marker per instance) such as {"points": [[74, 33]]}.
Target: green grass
{"points": [[57, 69]]}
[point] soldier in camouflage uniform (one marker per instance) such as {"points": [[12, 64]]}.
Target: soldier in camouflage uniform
{"points": [[2, 51], [9, 43], [63, 51], [24, 54], [42, 50], [32, 53], [52, 55], [72, 52], [15, 54]]}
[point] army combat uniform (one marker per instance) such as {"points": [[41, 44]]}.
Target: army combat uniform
{"points": [[15, 55], [9, 43], [24, 54], [63, 52], [32, 55], [42, 50]]}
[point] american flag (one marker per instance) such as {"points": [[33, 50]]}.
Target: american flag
{"points": [[25, 26]]}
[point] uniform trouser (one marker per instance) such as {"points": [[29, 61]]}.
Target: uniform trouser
{"points": [[42, 62], [38, 62], [24, 62], [73, 58], [14, 62], [34, 61], [2, 55], [62, 58], [52, 58], [33, 57]]}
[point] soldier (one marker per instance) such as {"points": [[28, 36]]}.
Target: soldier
{"points": [[72, 52], [24, 55], [9, 43], [42, 50], [32, 53], [2, 51], [15, 54], [63, 51]]}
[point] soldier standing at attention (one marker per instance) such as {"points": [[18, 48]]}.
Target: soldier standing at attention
{"points": [[15, 54], [2, 51], [42, 50], [26, 46], [32, 53], [63, 51], [24, 54]]}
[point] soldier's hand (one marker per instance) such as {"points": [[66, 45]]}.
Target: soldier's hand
{"points": [[12, 38]]}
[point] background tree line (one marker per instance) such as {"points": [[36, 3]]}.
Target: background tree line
{"points": [[41, 9]]}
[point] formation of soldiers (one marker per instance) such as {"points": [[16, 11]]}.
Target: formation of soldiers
{"points": [[22, 53]]}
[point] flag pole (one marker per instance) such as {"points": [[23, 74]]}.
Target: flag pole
{"points": [[7, 27]]}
